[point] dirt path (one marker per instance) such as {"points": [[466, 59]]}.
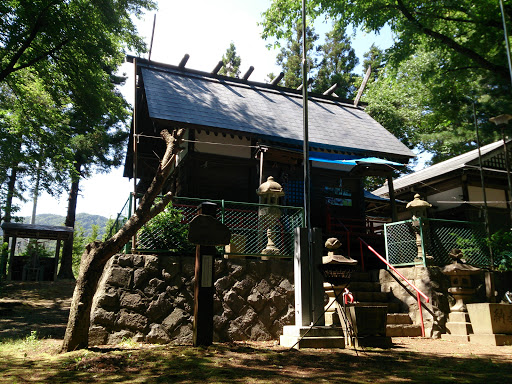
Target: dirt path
{"points": [[34, 306]]}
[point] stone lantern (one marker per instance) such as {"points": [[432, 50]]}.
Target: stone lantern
{"points": [[460, 280], [269, 192], [418, 208], [458, 326]]}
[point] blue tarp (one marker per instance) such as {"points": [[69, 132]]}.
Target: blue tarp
{"points": [[335, 158]]}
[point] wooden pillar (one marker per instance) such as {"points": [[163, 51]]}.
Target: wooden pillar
{"points": [[203, 287], [11, 257], [57, 251], [391, 189]]}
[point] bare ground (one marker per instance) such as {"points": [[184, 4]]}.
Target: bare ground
{"points": [[43, 307]]}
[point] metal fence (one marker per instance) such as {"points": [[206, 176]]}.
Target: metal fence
{"points": [[251, 226], [437, 238]]}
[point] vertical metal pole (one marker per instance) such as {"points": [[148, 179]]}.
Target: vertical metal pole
{"points": [[507, 46], [307, 186], [134, 239], [482, 182], [507, 167]]}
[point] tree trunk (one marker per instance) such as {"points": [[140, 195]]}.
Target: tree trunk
{"points": [[98, 253], [7, 219], [66, 263]]}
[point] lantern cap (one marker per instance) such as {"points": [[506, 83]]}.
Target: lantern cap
{"points": [[418, 202], [270, 187]]}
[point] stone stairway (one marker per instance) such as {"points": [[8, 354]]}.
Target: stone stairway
{"points": [[365, 287]]}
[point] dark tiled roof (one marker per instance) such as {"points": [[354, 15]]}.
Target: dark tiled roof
{"points": [[256, 109], [438, 169]]}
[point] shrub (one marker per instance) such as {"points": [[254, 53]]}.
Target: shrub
{"points": [[167, 232], [501, 244]]}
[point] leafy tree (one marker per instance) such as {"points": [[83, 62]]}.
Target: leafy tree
{"points": [[338, 61], [58, 56], [231, 62], [446, 55], [290, 56], [95, 147], [375, 58]]}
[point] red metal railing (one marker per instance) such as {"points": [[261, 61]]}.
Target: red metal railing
{"points": [[419, 294]]}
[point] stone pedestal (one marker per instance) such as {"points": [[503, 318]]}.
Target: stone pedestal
{"points": [[458, 327], [318, 337], [492, 323]]}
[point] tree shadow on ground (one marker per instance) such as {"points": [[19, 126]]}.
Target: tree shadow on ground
{"points": [[228, 364]]}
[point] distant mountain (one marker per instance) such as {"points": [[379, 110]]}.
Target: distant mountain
{"points": [[85, 220]]}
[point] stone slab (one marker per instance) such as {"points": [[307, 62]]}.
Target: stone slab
{"points": [[459, 328], [312, 342], [489, 318], [455, 338], [491, 339]]}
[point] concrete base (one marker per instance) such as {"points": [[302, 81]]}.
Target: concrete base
{"points": [[458, 327], [318, 337], [497, 339], [372, 342], [455, 338]]}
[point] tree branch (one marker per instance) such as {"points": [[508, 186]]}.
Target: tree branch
{"points": [[26, 44], [145, 210], [475, 57]]}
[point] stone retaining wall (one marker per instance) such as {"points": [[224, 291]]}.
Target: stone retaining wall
{"points": [[150, 298]]}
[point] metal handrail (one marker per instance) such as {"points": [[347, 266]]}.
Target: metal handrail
{"points": [[418, 292]]}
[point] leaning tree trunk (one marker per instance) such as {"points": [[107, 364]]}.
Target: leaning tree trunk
{"points": [[66, 263], [98, 253]]}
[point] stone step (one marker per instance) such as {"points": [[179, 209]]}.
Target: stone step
{"points": [[364, 286], [316, 337], [317, 331], [399, 318], [312, 342], [403, 330], [361, 277]]}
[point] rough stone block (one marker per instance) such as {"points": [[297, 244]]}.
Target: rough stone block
{"points": [[132, 321], [133, 301], [138, 260], [140, 278], [120, 277], [108, 299], [234, 301], [182, 335], [177, 317], [154, 287], [119, 337], [103, 317], [243, 287], [157, 335], [256, 300], [224, 283], [159, 308], [97, 336], [125, 261]]}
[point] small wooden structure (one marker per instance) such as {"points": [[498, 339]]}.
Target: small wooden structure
{"points": [[32, 231]]}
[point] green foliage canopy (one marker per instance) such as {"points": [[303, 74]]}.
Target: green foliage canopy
{"points": [[446, 56], [231, 62]]}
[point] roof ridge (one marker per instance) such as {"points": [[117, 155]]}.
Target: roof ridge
{"points": [[208, 76]]}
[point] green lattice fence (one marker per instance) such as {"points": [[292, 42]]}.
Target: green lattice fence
{"points": [[401, 246], [438, 238], [250, 225]]}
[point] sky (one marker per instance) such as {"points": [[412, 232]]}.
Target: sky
{"points": [[203, 29]]}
